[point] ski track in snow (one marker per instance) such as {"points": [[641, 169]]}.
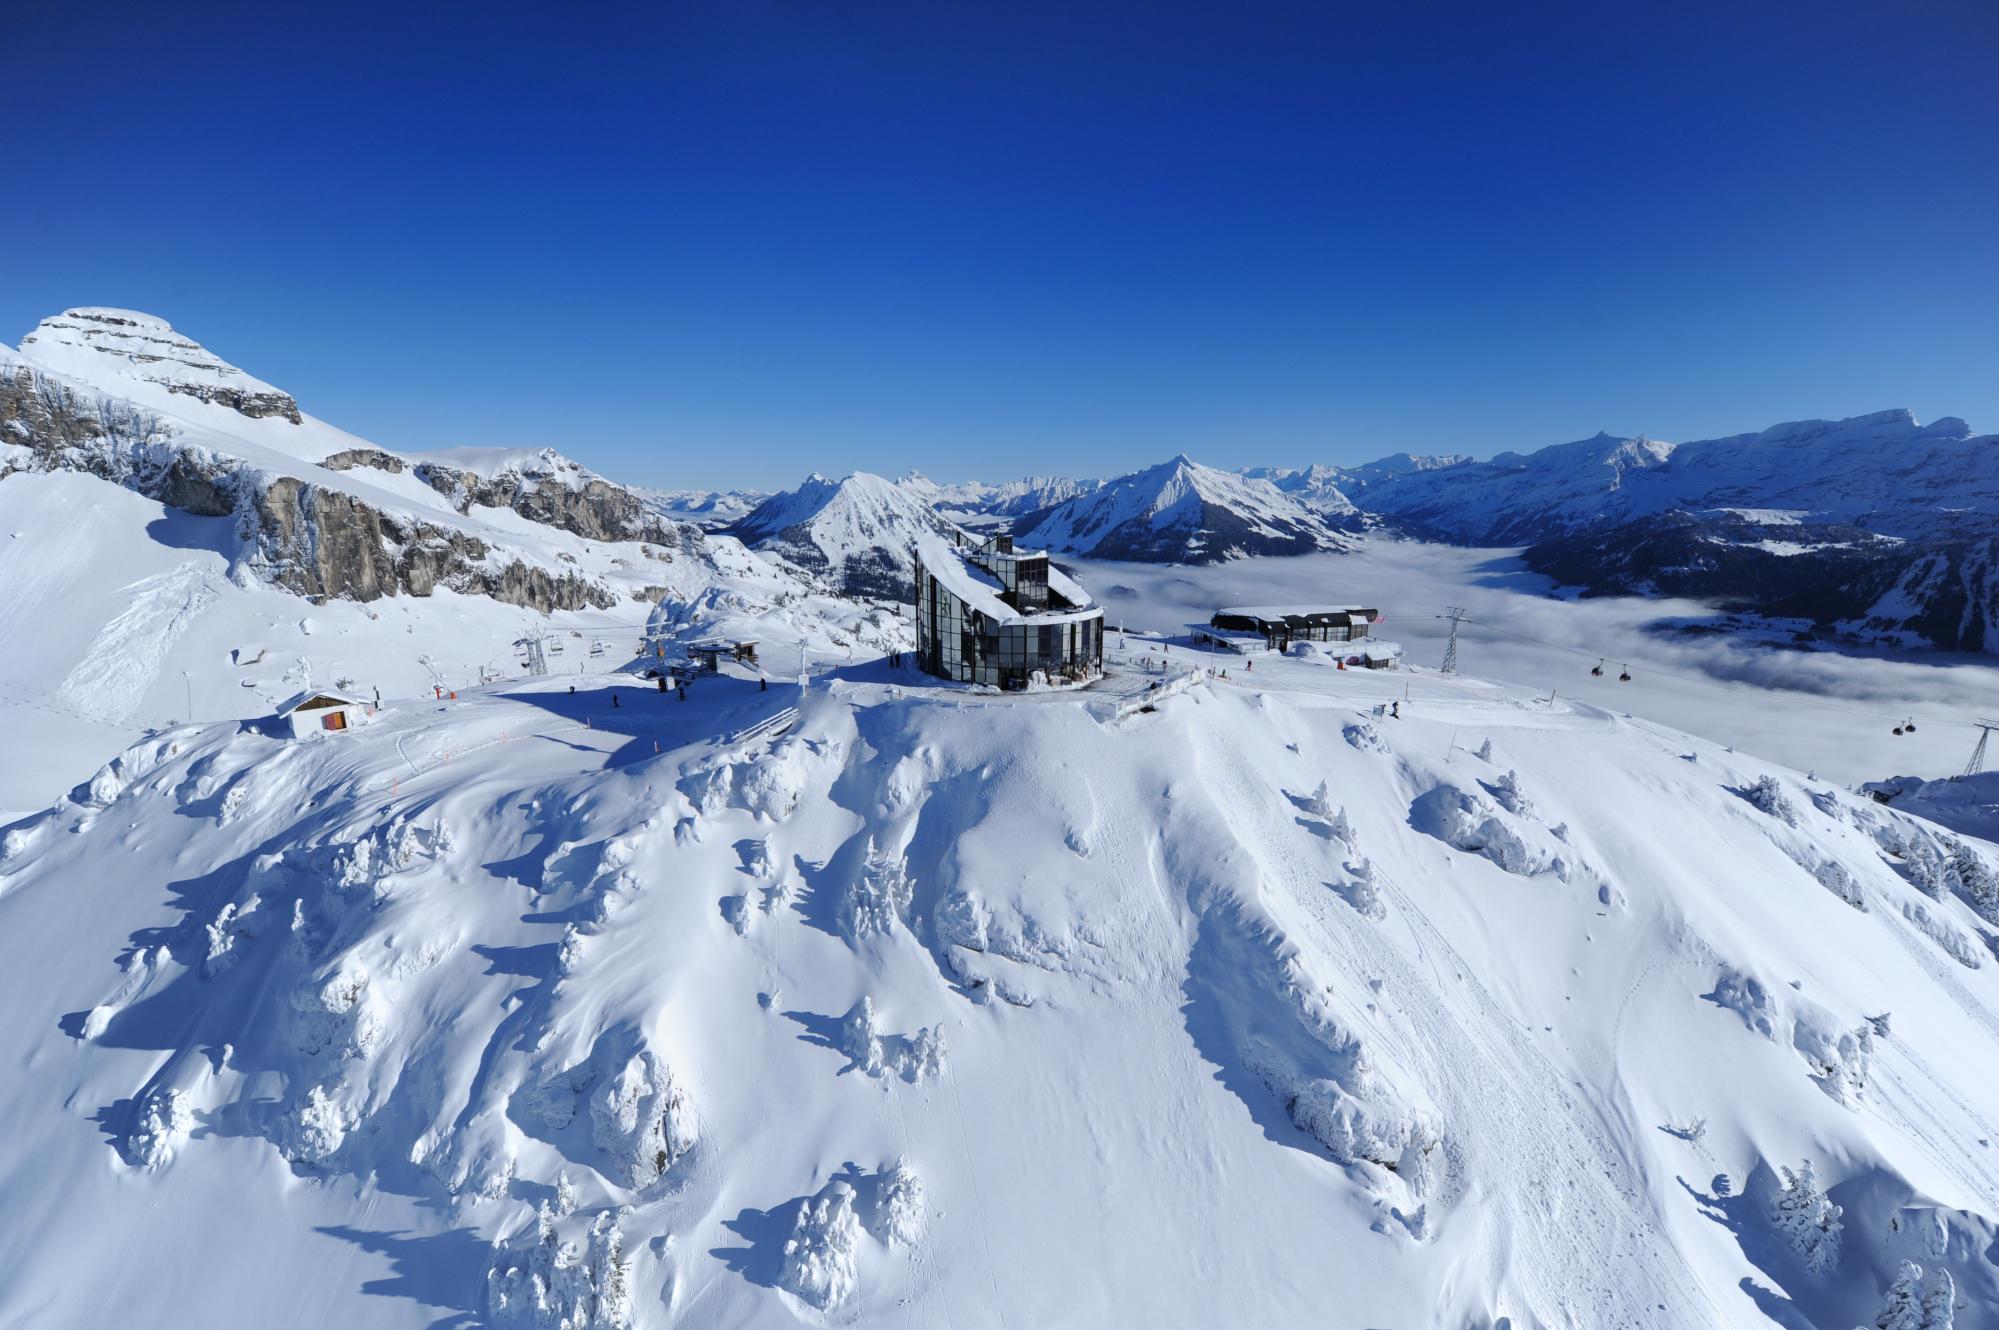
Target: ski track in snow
{"points": [[110, 680]]}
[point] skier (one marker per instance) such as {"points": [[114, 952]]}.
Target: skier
{"points": [[683, 692], [662, 683], [1248, 665], [1395, 710], [763, 684], [614, 699]]}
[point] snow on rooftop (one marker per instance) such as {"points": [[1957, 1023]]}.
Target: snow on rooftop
{"points": [[1289, 611], [981, 591]]}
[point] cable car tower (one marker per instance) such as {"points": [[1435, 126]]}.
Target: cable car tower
{"points": [[1456, 615], [1977, 762]]}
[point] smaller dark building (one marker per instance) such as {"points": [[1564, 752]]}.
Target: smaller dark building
{"points": [[1281, 625]]}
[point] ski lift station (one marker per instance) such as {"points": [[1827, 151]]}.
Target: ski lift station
{"points": [[1276, 627], [988, 613], [317, 713], [708, 655]]}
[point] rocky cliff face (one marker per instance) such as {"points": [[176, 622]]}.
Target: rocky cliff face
{"points": [[306, 537], [547, 488]]}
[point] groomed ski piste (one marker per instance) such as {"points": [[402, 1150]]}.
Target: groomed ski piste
{"points": [[1239, 1000]]}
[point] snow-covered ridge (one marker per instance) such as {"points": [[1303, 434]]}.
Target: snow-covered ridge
{"points": [[145, 356]]}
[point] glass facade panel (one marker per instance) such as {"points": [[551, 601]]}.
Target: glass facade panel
{"points": [[956, 642]]}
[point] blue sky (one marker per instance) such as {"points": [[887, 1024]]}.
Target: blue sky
{"points": [[731, 243]]}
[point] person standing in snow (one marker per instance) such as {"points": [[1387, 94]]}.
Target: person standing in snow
{"points": [[614, 699]]}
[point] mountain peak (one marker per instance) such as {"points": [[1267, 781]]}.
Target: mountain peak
{"points": [[141, 356]]}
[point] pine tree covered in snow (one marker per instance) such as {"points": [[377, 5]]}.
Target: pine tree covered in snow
{"points": [[1768, 796], [821, 1257], [1808, 1219], [1506, 791], [1976, 881], [860, 1040], [879, 897], [553, 1286], [1939, 1301], [1902, 1308], [164, 1119], [899, 1205]]}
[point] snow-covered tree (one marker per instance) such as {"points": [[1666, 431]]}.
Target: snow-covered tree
{"points": [[1507, 791], [162, 1122], [610, 1274], [1939, 1301], [1976, 881], [1362, 891], [899, 1205], [1484, 753], [859, 1038], [1768, 796], [552, 1286], [1808, 1219], [565, 1194], [1320, 802], [821, 1257], [1902, 1309], [879, 897]]}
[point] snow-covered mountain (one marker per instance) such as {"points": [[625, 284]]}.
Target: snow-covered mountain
{"points": [[1332, 489], [709, 509], [1884, 472], [853, 533], [180, 538], [1183, 512], [1878, 525], [1224, 1003], [970, 501]]}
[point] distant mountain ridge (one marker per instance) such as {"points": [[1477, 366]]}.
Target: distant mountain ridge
{"points": [[1183, 512], [854, 532]]}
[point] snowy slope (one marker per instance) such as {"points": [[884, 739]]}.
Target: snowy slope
{"points": [[1182, 512], [174, 541], [871, 1005], [854, 532]]}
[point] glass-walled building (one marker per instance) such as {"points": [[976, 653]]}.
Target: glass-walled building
{"points": [[988, 613]]}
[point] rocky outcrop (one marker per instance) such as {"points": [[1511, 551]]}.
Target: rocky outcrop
{"points": [[558, 493], [349, 458], [308, 538]]}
